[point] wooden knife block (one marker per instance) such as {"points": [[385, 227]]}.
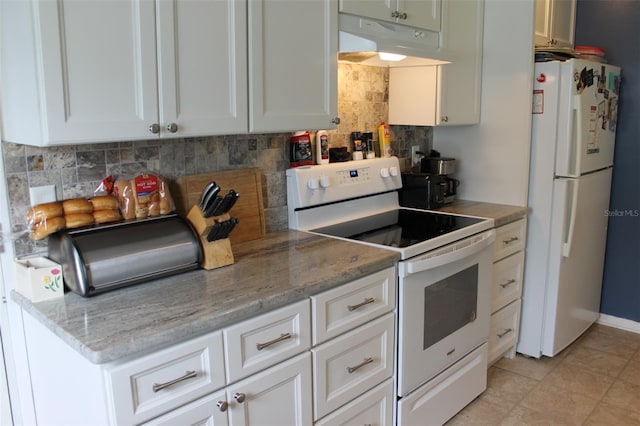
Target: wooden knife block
{"points": [[215, 253]]}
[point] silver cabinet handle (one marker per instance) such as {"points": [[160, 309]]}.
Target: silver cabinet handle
{"points": [[508, 283], [510, 240], [445, 118], [187, 375], [504, 333], [239, 396], [367, 301], [362, 364], [283, 336], [395, 14], [403, 16], [222, 405], [154, 128], [172, 128], [336, 120]]}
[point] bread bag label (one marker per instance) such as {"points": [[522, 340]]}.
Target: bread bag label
{"points": [[146, 185]]}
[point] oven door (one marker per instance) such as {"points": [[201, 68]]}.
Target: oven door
{"points": [[444, 298]]}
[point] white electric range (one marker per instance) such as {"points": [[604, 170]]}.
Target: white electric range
{"points": [[443, 285]]}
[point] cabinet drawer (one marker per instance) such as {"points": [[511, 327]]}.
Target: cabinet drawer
{"points": [[504, 330], [507, 281], [152, 385], [265, 340], [510, 238], [373, 408], [349, 306], [351, 364], [443, 396]]}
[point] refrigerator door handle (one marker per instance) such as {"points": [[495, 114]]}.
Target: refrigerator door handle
{"points": [[577, 134], [566, 246]]}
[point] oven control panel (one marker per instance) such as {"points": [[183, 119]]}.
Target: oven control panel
{"points": [[314, 185]]}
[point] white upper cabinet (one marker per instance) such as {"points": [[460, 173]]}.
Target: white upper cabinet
{"points": [[84, 72], [416, 13], [293, 47], [202, 70], [555, 23], [444, 95], [119, 70]]}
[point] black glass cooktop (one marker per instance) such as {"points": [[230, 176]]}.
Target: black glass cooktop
{"points": [[398, 228]]}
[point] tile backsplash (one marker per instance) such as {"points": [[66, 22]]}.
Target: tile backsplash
{"points": [[77, 170]]}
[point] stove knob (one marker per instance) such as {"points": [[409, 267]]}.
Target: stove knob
{"points": [[324, 181], [384, 172], [313, 183], [393, 171]]}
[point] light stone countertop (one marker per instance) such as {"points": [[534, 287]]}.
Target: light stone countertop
{"points": [[500, 213], [268, 273]]}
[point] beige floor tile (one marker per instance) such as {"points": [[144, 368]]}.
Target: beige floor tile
{"points": [[523, 416], [623, 395], [605, 414], [479, 412], [505, 388], [576, 379], [596, 361], [631, 372], [566, 405], [629, 335], [604, 340], [529, 367]]}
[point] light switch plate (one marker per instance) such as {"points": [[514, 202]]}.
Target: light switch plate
{"points": [[42, 194]]}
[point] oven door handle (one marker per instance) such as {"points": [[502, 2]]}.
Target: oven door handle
{"points": [[462, 249]]}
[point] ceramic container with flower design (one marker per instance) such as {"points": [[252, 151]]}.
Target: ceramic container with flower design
{"points": [[38, 278]]}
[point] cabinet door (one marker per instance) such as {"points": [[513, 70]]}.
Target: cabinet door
{"points": [[376, 9], [555, 23], [460, 82], [202, 67], [563, 21], [293, 67], [417, 13], [209, 411], [421, 13], [280, 395], [98, 70]]}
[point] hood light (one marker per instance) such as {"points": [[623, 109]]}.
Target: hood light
{"points": [[393, 57]]}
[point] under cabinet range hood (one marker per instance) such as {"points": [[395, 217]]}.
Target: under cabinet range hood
{"points": [[361, 40]]}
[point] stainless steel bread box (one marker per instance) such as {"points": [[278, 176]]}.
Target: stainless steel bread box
{"points": [[102, 258]]}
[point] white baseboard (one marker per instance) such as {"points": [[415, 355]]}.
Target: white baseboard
{"points": [[621, 323]]}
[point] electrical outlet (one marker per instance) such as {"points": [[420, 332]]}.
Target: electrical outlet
{"points": [[42, 194], [415, 157]]}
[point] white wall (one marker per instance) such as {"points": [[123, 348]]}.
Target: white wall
{"points": [[494, 155]]}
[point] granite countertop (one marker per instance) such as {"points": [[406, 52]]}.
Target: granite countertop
{"points": [[500, 213], [268, 273]]}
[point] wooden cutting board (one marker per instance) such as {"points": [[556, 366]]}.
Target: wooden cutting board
{"points": [[249, 209]]}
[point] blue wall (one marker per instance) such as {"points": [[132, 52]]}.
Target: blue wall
{"points": [[614, 25]]}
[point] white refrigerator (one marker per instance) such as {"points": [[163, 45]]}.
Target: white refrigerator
{"points": [[573, 132]]}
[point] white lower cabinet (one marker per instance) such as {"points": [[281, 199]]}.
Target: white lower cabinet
{"points": [[508, 269], [372, 408], [256, 372], [280, 395], [351, 364]]}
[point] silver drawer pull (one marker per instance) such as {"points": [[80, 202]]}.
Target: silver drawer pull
{"points": [[222, 405], [508, 283], [504, 333], [187, 375], [240, 397], [510, 240], [367, 301], [282, 337], [362, 364]]}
